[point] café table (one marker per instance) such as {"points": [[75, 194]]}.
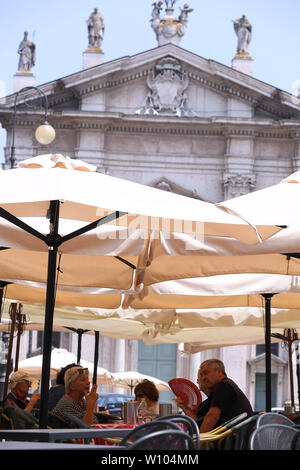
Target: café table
{"points": [[52, 446], [53, 435], [107, 428]]}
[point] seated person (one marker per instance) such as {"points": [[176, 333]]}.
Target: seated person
{"points": [[78, 400], [147, 389], [58, 390], [226, 400], [20, 382], [203, 407]]}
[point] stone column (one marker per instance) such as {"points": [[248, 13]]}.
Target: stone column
{"points": [[238, 177], [195, 360], [296, 160], [90, 147], [237, 184], [24, 147], [119, 360]]}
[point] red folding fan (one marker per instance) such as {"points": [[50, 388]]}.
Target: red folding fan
{"points": [[188, 392]]}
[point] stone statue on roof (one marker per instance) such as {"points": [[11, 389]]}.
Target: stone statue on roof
{"points": [[169, 29], [95, 25], [26, 50], [243, 30]]}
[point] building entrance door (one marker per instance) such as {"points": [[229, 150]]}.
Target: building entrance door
{"points": [[260, 391], [158, 361]]}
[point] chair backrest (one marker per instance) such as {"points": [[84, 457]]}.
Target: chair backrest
{"points": [[56, 422], [20, 419], [272, 437], [190, 424], [170, 439], [239, 439], [53, 421], [237, 419], [149, 428], [295, 444], [76, 422], [273, 418]]}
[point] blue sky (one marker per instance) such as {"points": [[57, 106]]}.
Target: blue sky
{"points": [[58, 28]]}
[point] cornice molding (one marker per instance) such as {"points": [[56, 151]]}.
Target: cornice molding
{"points": [[215, 76], [120, 124]]}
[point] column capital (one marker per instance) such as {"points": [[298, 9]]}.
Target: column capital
{"points": [[237, 184]]}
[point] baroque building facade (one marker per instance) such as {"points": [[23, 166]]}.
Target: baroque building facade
{"points": [[174, 120]]}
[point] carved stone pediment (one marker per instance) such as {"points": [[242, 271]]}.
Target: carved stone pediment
{"points": [[167, 85]]}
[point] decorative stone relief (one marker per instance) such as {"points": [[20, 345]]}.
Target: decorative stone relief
{"points": [[166, 185], [237, 184], [169, 29], [167, 90]]}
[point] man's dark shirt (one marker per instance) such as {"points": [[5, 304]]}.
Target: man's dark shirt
{"points": [[12, 400], [204, 407], [230, 399]]}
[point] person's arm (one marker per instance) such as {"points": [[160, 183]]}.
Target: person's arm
{"points": [[210, 419], [34, 398], [186, 411], [91, 399]]}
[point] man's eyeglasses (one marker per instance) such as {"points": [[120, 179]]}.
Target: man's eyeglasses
{"points": [[140, 395]]}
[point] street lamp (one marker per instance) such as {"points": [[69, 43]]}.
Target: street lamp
{"points": [[44, 134]]}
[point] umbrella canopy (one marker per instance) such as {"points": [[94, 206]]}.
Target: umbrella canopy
{"points": [[51, 187], [60, 358], [46, 181], [130, 379], [272, 204], [43, 188]]}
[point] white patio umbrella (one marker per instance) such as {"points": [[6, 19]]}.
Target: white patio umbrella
{"points": [[61, 358], [44, 187], [129, 379], [271, 204]]}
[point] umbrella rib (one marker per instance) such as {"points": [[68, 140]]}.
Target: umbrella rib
{"points": [[91, 226], [125, 262], [291, 255], [14, 220]]}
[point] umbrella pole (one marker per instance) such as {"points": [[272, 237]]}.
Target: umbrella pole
{"points": [[13, 313], [53, 242], [79, 340], [3, 284], [289, 341], [79, 332], [267, 298], [19, 328], [96, 357], [298, 367]]}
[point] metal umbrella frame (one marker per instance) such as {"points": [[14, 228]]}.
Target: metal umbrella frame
{"points": [[129, 379], [18, 324], [49, 189], [60, 358]]}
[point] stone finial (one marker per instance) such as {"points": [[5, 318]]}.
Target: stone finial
{"points": [[93, 55], [169, 29], [26, 51], [95, 25], [242, 60], [243, 31]]}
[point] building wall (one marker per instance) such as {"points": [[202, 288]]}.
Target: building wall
{"points": [[226, 151]]}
